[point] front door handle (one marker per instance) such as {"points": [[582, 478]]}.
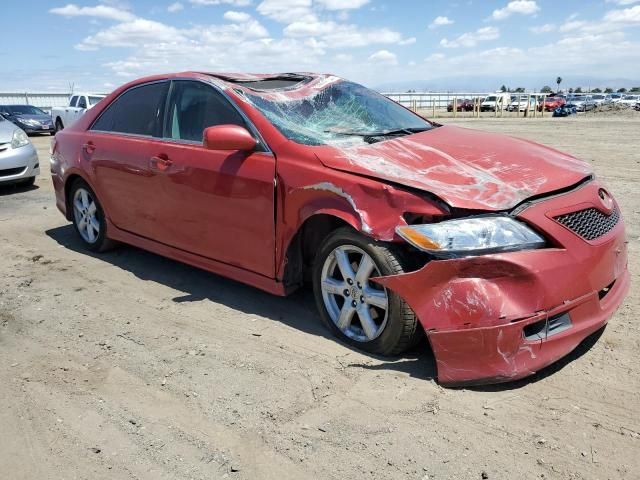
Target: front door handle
{"points": [[160, 162]]}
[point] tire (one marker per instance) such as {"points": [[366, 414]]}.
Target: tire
{"points": [[29, 182], [396, 327], [88, 217], [59, 125]]}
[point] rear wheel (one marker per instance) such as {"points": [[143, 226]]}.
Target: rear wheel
{"points": [[59, 125], [88, 217], [359, 311]]}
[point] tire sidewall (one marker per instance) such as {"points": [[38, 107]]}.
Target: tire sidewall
{"points": [[386, 341]]}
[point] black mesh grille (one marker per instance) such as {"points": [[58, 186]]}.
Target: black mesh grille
{"points": [[7, 172], [590, 223]]}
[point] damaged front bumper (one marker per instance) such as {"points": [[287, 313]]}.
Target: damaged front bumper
{"points": [[501, 317]]}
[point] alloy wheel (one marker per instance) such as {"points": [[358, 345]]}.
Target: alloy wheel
{"points": [[84, 211], [358, 308]]}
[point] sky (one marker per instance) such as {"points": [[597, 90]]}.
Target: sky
{"points": [[97, 45]]}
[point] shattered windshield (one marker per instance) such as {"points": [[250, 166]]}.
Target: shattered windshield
{"points": [[343, 112]]}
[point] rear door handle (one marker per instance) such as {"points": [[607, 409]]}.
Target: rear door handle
{"points": [[160, 162], [89, 147]]}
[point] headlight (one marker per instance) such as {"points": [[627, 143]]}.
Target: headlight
{"points": [[28, 121], [471, 236], [19, 139]]}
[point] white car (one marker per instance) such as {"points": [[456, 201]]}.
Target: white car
{"points": [[601, 99], [18, 157], [520, 103], [629, 100], [78, 105], [498, 100]]}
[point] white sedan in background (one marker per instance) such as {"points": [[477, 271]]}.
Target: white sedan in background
{"points": [[520, 103], [18, 157], [629, 100]]}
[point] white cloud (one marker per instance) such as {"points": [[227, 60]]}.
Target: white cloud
{"points": [[581, 54], [237, 3], [342, 4], [440, 21], [408, 41], [384, 57], [99, 11], [287, 11], [340, 35], [623, 2], [628, 15], [131, 34], [546, 28], [522, 7], [237, 17], [471, 39], [175, 7]]}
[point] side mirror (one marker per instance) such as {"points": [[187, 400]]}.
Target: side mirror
{"points": [[228, 137]]}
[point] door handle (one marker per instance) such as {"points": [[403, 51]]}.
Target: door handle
{"points": [[160, 162], [89, 147]]}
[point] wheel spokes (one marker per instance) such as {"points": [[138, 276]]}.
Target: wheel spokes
{"points": [[333, 286], [364, 269], [342, 259], [377, 298], [346, 316], [369, 327], [346, 293]]}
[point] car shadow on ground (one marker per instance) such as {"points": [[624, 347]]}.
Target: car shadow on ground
{"points": [[298, 310], [15, 188]]}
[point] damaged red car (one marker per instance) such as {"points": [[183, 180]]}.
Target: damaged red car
{"points": [[504, 253]]}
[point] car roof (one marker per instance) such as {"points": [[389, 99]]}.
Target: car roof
{"points": [[272, 86]]}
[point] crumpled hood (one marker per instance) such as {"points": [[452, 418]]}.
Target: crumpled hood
{"points": [[465, 168]]}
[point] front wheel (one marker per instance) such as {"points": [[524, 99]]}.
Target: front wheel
{"points": [[357, 310]]}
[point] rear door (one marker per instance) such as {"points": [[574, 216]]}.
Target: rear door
{"points": [[119, 147], [214, 203]]}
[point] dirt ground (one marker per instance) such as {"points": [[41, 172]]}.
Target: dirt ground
{"points": [[130, 366]]}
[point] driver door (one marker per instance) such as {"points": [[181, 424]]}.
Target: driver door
{"points": [[214, 203]]}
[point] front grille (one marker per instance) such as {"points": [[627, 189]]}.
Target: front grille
{"points": [[7, 172], [589, 223]]}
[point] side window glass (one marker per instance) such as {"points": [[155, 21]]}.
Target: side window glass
{"points": [[137, 111], [194, 106], [74, 100], [82, 102]]}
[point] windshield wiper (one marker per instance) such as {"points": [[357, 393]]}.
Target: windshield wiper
{"points": [[382, 133]]}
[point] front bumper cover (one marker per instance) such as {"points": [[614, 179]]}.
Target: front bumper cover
{"points": [[18, 164], [475, 309]]}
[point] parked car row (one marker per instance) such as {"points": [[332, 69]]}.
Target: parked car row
{"points": [[33, 120]]}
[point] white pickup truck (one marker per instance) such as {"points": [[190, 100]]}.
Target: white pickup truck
{"points": [[78, 105]]}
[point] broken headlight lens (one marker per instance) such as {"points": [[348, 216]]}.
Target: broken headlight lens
{"points": [[471, 236]]}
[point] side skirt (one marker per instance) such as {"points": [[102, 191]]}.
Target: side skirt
{"points": [[269, 285]]}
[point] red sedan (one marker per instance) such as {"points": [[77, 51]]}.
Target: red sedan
{"points": [[551, 103], [463, 105], [504, 253]]}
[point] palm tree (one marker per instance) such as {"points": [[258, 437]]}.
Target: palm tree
{"points": [[559, 81]]}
